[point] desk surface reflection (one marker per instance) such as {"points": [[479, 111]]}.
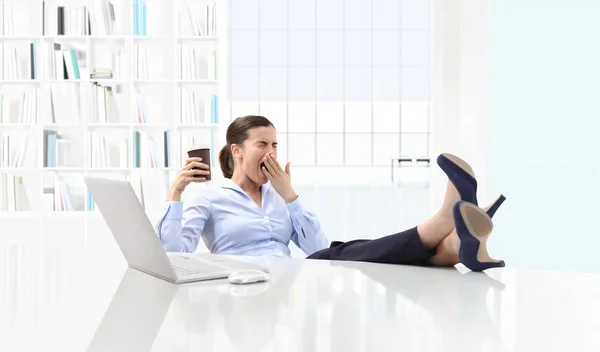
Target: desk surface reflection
{"points": [[63, 300]]}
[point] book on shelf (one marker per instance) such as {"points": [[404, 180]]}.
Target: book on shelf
{"points": [[82, 106], [139, 17], [214, 109], [201, 20], [57, 195], [118, 62], [71, 64], [68, 103], [141, 58], [32, 60], [101, 73], [151, 188], [150, 151], [195, 109], [141, 107], [90, 205], [108, 151], [101, 104], [13, 148], [63, 103], [213, 150], [62, 64], [7, 27], [62, 196], [19, 111], [16, 66], [56, 150], [197, 64], [95, 18], [13, 196]]}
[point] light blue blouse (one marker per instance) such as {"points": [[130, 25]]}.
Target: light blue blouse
{"points": [[230, 222]]}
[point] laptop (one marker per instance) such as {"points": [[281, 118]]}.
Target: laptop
{"points": [[140, 245]]}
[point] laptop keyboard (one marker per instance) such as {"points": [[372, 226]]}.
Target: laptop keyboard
{"points": [[191, 266]]}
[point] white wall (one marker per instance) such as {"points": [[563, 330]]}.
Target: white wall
{"points": [[461, 89], [545, 153], [514, 90]]}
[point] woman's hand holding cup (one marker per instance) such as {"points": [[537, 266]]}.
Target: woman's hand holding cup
{"points": [[193, 171]]}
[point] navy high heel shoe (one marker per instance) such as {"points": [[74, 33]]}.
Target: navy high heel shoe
{"points": [[492, 208], [461, 175], [473, 226]]}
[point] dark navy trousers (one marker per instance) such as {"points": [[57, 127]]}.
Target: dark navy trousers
{"points": [[401, 248]]}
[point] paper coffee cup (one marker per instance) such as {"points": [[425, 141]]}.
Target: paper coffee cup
{"points": [[204, 153]]}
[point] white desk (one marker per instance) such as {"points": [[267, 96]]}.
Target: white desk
{"points": [[65, 300]]}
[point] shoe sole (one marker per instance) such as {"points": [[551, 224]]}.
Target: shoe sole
{"points": [[480, 227], [460, 163]]}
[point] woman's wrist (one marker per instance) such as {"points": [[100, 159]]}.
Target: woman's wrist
{"points": [[174, 196], [292, 197]]}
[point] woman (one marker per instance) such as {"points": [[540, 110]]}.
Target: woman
{"points": [[257, 212]]}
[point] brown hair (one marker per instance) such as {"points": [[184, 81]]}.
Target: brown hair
{"points": [[237, 133]]}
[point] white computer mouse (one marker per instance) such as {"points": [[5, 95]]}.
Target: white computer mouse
{"points": [[248, 276]]}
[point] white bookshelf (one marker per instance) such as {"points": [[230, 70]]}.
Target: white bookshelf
{"points": [[150, 75]]}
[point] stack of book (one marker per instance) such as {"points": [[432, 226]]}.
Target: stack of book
{"points": [[57, 195], [96, 19], [101, 73], [196, 110], [13, 68], [62, 196], [101, 104], [56, 150], [117, 67], [151, 151], [63, 63], [196, 64], [108, 151], [99, 101], [201, 19]]}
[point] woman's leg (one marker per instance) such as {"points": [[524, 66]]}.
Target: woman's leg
{"points": [[430, 243]]}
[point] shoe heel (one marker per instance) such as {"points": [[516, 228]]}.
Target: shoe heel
{"points": [[473, 227], [492, 208]]}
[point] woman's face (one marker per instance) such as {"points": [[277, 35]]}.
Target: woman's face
{"points": [[261, 142]]}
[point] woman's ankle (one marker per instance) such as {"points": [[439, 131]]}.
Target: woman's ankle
{"points": [[446, 252]]}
